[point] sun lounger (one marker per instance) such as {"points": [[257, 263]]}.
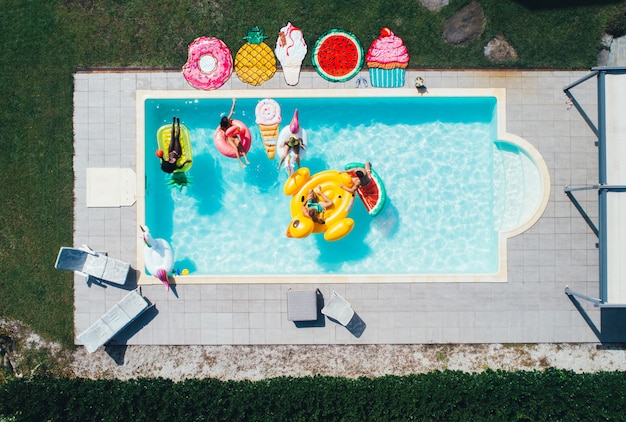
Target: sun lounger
{"points": [[115, 320], [88, 263], [302, 305], [338, 309]]}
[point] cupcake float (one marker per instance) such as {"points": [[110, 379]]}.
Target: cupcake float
{"points": [[387, 60]]}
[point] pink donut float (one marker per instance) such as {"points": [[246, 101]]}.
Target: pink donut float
{"points": [[209, 65], [237, 129]]}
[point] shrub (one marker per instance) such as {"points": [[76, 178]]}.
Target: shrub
{"points": [[448, 395], [616, 24]]}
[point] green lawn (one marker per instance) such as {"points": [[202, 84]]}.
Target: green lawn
{"points": [[45, 41]]}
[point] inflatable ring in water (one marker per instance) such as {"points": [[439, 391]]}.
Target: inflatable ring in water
{"points": [[337, 224], [224, 147], [209, 65]]}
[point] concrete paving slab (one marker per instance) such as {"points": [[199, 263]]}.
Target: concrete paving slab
{"points": [[530, 307]]}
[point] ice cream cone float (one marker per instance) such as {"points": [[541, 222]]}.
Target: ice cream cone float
{"points": [[268, 119], [291, 74], [290, 51], [269, 134]]}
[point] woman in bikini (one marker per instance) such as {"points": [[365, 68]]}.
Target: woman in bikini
{"points": [[362, 177], [313, 208], [174, 151], [292, 144], [232, 135]]}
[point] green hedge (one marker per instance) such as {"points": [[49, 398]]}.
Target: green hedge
{"points": [[449, 395], [616, 24]]}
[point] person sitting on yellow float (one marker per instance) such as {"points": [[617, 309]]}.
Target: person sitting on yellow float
{"points": [[309, 214], [313, 207]]}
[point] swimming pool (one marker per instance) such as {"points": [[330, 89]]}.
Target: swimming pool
{"points": [[458, 186]]}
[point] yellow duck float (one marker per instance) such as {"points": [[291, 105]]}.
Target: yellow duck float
{"points": [[336, 223]]}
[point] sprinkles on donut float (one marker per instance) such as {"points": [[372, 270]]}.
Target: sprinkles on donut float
{"points": [[209, 65]]}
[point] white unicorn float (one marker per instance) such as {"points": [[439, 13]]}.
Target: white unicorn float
{"points": [[158, 256]]}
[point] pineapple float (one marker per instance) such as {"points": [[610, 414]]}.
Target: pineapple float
{"points": [[255, 62]]}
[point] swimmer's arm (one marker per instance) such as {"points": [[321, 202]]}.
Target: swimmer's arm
{"points": [[232, 108], [347, 189]]}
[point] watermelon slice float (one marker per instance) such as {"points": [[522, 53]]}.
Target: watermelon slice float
{"points": [[338, 56], [374, 194]]}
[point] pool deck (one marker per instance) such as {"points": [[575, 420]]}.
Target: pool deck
{"points": [[531, 307]]}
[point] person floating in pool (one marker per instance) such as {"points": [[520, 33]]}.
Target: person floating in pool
{"points": [[313, 208], [361, 178], [175, 150], [231, 133], [293, 144]]}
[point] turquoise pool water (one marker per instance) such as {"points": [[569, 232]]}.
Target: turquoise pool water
{"points": [[436, 156]]}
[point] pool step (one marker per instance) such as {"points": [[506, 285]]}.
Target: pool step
{"points": [[516, 192]]}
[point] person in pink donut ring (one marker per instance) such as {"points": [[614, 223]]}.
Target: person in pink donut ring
{"points": [[232, 135]]}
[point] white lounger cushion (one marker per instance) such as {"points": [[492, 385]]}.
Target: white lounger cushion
{"points": [[89, 263], [338, 309], [115, 320]]}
